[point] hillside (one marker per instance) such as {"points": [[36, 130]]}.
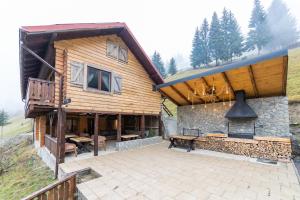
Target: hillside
{"points": [[17, 125], [293, 81]]}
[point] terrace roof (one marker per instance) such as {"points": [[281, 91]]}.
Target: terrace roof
{"points": [[262, 76]]}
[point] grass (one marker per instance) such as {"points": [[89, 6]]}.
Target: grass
{"points": [[17, 125], [26, 174], [293, 81]]}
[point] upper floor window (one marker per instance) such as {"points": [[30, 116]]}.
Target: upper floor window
{"points": [[116, 51], [98, 79]]}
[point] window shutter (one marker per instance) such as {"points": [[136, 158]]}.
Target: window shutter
{"points": [[123, 54], [112, 49], [117, 84], [77, 73]]}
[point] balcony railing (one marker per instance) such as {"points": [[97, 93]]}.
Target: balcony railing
{"points": [[40, 93], [51, 144]]}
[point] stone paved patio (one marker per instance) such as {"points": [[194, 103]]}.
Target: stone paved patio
{"points": [[155, 172]]}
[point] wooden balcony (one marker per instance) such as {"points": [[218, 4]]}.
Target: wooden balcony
{"points": [[40, 97]]}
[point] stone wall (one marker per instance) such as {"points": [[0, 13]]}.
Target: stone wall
{"points": [[294, 111], [259, 147], [273, 117], [132, 144]]}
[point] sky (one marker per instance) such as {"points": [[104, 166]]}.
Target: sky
{"points": [[165, 26]]}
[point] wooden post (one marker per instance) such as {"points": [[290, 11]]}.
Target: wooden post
{"points": [[119, 127], [143, 126], [160, 125], [61, 118], [96, 128]]}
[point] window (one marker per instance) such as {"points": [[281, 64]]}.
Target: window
{"points": [[72, 125], [77, 73], [116, 51], [98, 79], [112, 49]]}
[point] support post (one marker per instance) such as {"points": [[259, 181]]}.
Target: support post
{"points": [[143, 126], [119, 128], [96, 128], [61, 119], [160, 125]]}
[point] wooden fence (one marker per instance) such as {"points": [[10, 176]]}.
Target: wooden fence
{"points": [[51, 144], [64, 189]]}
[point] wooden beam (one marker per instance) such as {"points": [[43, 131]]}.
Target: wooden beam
{"points": [[170, 98], [284, 74], [96, 131], [119, 120], [180, 94], [191, 90], [142, 128], [253, 82], [226, 79]]}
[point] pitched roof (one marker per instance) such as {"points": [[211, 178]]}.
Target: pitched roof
{"points": [[40, 40]]}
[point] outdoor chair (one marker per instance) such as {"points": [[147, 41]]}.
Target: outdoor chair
{"points": [[71, 148], [101, 141]]}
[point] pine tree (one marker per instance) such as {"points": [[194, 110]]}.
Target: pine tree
{"points": [[258, 35], [3, 119], [224, 36], [158, 63], [172, 67], [196, 50], [215, 41], [204, 34], [231, 36], [282, 26], [235, 37]]}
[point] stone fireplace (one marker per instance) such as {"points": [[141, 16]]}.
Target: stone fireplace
{"points": [[272, 118]]}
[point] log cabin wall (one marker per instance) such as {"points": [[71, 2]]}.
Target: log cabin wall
{"points": [[137, 95]]}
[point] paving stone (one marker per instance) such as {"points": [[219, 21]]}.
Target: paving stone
{"points": [[156, 172]]}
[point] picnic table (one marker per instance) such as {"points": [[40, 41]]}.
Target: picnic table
{"points": [[82, 143], [129, 137], [68, 136], [188, 138]]}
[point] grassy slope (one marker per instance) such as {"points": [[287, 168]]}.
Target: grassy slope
{"points": [[293, 82], [27, 173], [17, 125]]}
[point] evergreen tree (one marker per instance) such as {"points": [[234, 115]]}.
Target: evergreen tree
{"points": [[224, 36], [157, 61], [231, 36], [258, 34], [204, 35], [282, 26], [3, 119], [215, 40], [235, 37], [172, 67], [196, 50]]}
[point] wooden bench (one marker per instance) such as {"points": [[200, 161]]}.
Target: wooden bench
{"points": [[190, 139]]}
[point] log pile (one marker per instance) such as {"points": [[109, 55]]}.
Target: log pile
{"points": [[260, 147]]}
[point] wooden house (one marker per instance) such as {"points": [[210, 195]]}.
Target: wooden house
{"points": [[87, 78]]}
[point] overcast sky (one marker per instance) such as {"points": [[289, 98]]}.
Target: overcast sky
{"points": [[165, 26]]}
